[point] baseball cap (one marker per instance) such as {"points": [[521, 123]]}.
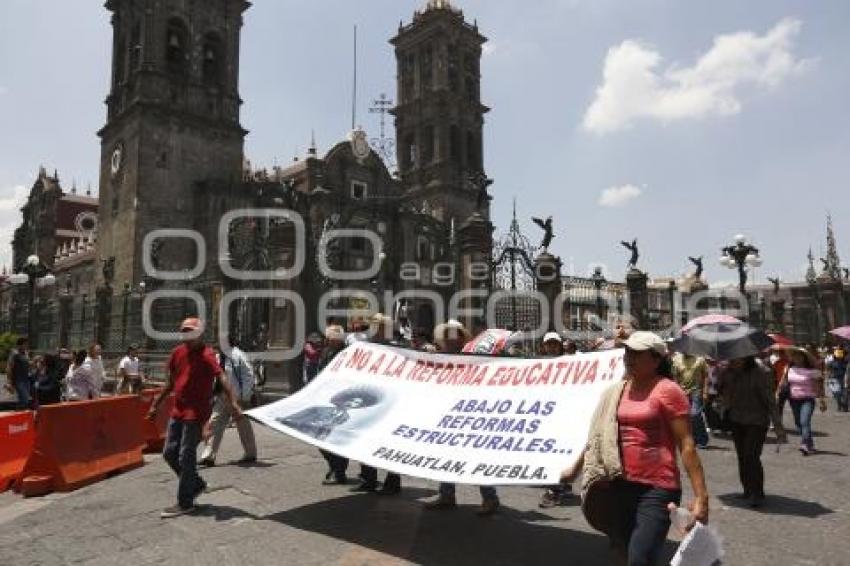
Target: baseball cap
{"points": [[642, 340], [551, 336], [191, 325]]}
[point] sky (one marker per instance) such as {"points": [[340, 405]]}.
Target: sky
{"points": [[677, 123]]}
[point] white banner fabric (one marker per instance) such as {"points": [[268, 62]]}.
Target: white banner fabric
{"points": [[477, 420]]}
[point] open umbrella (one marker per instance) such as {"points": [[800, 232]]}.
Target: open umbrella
{"points": [[710, 319], [722, 341], [842, 332], [491, 342], [780, 340]]}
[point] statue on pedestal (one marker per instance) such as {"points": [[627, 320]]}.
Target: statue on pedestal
{"points": [[633, 247], [548, 233]]}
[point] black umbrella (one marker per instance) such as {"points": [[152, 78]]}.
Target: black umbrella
{"points": [[722, 341]]}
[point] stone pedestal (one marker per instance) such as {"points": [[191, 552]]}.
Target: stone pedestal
{"points": [[637, 283], [548, 272], [475, 241]]}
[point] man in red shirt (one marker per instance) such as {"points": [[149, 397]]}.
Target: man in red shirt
{"points": [[193, 369]]}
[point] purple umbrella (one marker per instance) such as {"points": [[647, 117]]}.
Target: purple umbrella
{"points": [[842, 332]]}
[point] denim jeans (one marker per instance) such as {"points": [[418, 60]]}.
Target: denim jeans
{"points": [[803, 410], [697, 422], [180, 452], [24, 394], [839, 393], [643, 520], [488, 492], [749, 442]]}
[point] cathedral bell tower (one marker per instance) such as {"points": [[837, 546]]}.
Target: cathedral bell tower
{"points": [[439, 117], [172, 123]]}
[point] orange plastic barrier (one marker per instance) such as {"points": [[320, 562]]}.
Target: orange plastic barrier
{"points": [[82, 442], [17, 437], [153, 432]]}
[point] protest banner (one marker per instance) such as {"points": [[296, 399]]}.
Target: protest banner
{"points": [[478, 420]]}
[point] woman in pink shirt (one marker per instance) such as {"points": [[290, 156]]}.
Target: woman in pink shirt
{"points": [[805, 384], [641, 477]]}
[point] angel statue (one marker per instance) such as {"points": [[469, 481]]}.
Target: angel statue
{"points": [[775, 282], [547, 229], [633, 247], [697, 261]]}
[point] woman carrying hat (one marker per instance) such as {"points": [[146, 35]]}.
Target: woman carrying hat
{"points": [[630, 476]]}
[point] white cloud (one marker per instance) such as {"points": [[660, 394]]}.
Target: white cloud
{"points": [[634, 87], [11, 200], [618, 196]]}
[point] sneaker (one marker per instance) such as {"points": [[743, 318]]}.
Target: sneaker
{"points": [[365, 486], [202, 487], [246, 460], [488, 507], [549, 498], [176, 511], [206, 462], [441, 503], [804, 450], [331, 479]]}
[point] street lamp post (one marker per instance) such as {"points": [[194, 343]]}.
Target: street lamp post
{"points": [[740, 256], [598, 280], [33, 274]]}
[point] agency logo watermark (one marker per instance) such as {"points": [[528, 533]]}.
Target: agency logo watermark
{"points": [[437, 284]]}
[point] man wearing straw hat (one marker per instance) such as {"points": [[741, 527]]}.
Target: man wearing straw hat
{"points": [[450, 337]]}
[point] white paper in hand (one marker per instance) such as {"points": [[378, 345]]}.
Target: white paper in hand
{"points": [[701, 547]]}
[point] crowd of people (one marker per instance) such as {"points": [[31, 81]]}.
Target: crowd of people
{"points": [[79, 375], [668, 407]]}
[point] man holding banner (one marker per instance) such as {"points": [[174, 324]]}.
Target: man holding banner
{"points": [[474, 419], [450, 338], [381, 328]]}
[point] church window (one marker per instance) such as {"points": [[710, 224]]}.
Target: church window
{"points": [[409, 76], [428, 144], [471, 89], [135, 46], [454, 71], [472, 156], [213, 60], [359, 190], [454, 144], [119, 64], [427, 68], [177, 46]]}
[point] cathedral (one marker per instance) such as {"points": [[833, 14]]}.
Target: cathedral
{"points": [[172, 166]]}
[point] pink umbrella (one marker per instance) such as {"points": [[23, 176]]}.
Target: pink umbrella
{"points": [[841, 332], [710, 319]]}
